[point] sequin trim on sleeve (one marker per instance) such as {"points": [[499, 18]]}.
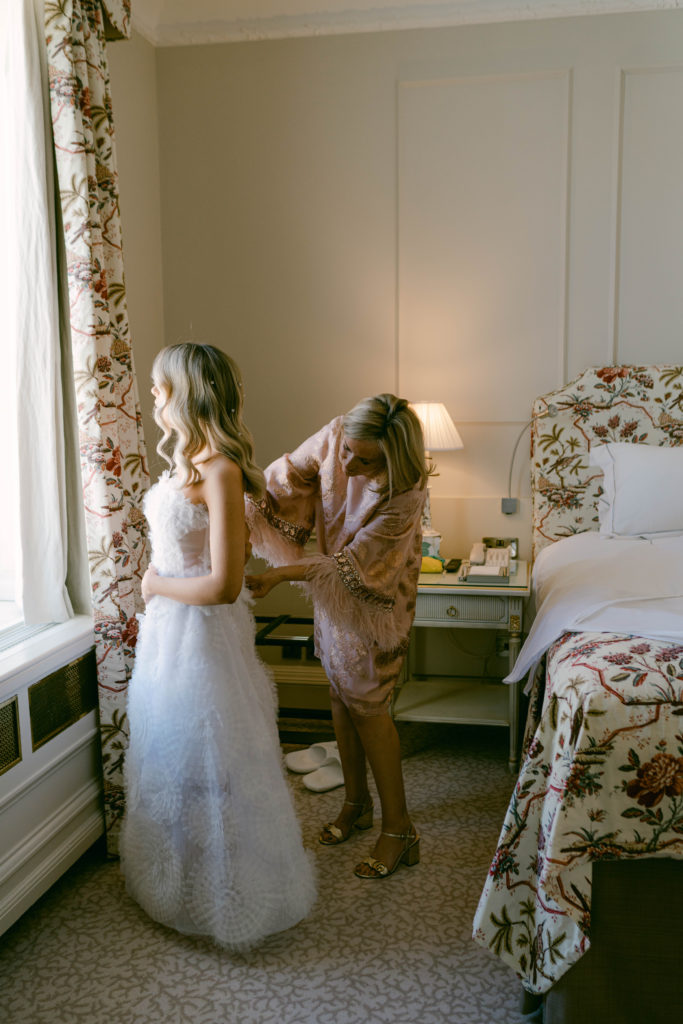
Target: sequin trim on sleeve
{"points": [[351, 579], [297, 534]]}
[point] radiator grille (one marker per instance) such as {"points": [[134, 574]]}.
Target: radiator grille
{"points": [[10, 742], [63, 697]]}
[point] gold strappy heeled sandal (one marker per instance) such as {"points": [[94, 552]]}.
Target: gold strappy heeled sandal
{"points": [[409, 855], [332, 835]]}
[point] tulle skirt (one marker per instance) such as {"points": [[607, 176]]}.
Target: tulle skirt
{"points": [[210, 844]]}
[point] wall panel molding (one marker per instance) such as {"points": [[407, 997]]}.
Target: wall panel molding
{"points": [[648, 243], [482, 240]]}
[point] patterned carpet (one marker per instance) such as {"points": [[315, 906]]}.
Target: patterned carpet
{"points": [[393, 951]]}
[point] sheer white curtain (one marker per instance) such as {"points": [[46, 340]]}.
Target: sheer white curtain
{"points": [[35, 526]]}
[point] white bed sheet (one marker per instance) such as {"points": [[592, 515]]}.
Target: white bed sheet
{"points": [[609, 584]]}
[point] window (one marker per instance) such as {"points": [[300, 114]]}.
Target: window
{"points": [[10, 171], [32, 555]]}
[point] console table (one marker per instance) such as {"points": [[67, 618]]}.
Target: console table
{"points": [[444, 601]]}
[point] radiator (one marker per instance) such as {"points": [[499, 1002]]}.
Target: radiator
{"points": [[50, 774]]}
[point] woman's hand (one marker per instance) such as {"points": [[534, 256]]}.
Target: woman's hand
{"points": [[148, 581], [263, 583]]}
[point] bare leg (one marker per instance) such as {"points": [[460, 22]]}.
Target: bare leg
{"points": [[352, 757], [381, 744]]}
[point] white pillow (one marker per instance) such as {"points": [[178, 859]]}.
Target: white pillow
{"points": [[643, 488]]}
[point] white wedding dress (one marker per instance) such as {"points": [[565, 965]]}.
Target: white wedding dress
{"points": [[210, 844]]}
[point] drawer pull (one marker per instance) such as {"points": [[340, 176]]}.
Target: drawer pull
{"points": [[452, 611]]}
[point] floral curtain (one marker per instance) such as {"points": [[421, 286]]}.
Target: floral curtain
{"points": [[116, 18], [112, 452]]}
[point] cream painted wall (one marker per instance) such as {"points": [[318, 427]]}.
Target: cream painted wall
{"points": [[454, 213], [132, 67], [470, 214]]}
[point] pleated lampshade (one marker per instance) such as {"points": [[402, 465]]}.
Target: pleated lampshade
{"points": [[440, 432]]}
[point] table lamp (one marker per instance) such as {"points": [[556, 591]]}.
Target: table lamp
{"points": [[440, 435]]}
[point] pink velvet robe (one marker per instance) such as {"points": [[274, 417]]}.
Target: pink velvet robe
{"points": [[364, 580]]}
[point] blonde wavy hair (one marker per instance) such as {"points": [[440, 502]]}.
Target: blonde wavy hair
{"points": [[392, 424], [202, 388]]}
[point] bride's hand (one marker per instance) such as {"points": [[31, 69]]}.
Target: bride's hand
{"points": [[148, 584], [261, 584]]}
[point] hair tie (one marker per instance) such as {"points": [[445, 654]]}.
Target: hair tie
{"points": [[399, 405]]}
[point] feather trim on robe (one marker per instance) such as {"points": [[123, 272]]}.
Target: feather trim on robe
{"points": [[273, 538], [365, 578], [353, 607]]}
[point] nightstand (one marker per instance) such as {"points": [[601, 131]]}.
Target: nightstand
{"points": [[443, 601]]}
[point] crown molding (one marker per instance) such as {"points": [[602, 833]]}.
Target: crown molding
{"points": [[148, 15], [144, 26], [344, 20]]}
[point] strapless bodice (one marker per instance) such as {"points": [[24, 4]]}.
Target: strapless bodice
{"points": [[179, 530]]}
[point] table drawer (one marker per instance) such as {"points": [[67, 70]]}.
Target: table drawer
{"points": [[461, 608]]}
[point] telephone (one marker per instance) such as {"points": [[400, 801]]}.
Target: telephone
{"points": [[481, 554], [489, 561]]}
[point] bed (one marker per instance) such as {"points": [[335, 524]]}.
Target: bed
{"points": [[583, 897]]}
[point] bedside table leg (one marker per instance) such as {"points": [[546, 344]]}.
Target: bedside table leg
{"points": [[514, 725], [514, 644]]}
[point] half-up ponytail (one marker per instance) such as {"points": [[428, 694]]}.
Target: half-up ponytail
{"points": [[392, 424]]}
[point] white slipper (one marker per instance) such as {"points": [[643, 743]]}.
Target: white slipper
{"points": [[315, 756], [328, 777]]}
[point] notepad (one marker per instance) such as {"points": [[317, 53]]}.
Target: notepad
{"points": [[497, 574]]}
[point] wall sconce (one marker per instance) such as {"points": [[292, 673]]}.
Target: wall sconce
{"points": [[508, 506], [440, 435]]}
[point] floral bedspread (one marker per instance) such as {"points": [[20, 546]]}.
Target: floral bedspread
{"points": [[602, 778]]}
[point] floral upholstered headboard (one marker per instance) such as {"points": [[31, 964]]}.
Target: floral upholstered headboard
{"points": [[637, 404]]}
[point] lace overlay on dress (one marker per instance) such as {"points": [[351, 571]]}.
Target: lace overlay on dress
{"points": [[204, 777]]}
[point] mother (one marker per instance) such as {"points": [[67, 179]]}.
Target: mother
{"points": [[360, 481]]}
